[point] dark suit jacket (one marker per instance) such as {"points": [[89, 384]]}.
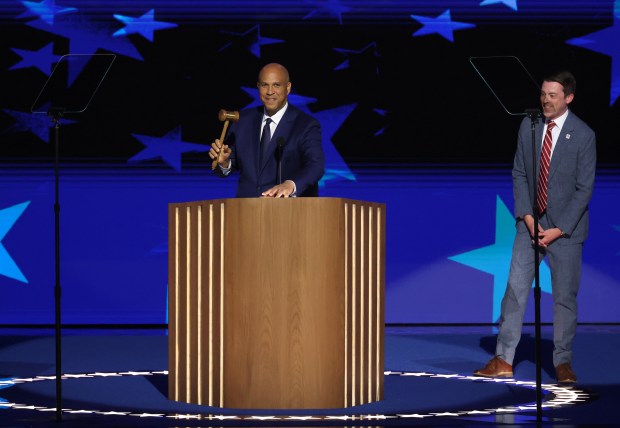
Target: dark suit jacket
{"points": [[303, 160], [571, 176]]}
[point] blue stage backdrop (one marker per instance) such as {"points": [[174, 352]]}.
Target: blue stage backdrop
{"points": [[449, 236], [406, 121]]}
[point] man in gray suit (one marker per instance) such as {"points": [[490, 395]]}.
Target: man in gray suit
{"points": [[563, 224]]}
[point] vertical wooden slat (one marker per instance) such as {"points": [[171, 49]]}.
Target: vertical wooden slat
{"points": [[192, 304], [187, 312], [173, 287], [380, 286], [208, 357], [354, 303], [371, 306], [218, 303], [362, 305], [198, 306], [205, 378], [377, 349], [180, 313], [347, 306]]}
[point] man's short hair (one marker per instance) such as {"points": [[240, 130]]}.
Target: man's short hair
{"points": [[564, 78]]}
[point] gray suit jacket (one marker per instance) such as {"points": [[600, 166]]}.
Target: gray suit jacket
{"points": [[571, 176]]}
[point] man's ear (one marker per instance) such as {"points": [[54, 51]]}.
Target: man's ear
{"points": [[569, 98]]}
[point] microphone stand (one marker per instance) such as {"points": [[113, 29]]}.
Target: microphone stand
{"points": [[56, 114], [534, 115], [279, 151], [508, 71], [57, 91]]}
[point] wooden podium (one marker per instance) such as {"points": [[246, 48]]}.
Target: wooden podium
{"points": [[276, 303]]}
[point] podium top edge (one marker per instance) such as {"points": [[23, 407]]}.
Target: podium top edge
{"points": [[305, 199]]}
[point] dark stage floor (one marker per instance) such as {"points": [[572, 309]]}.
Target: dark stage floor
{"points": [[118, 378]]}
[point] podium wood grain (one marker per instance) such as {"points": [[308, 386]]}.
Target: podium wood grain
{"points": [[276, 303]]}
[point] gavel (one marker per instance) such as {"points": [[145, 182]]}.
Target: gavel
{"points": [[226, 117]]}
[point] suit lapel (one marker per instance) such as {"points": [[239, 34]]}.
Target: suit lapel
{"points": [[562, 144], [255, 149], [539, 138]]}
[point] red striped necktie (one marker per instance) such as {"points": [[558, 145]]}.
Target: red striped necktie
{"points": [[543, 175]]}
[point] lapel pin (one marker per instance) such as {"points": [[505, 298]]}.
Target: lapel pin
{"points": [[568, 136]]}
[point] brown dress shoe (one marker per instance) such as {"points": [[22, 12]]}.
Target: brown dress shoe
{"points": [[496, 367], [565, 374]]}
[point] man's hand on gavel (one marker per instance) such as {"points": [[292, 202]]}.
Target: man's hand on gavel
{"points": [[221, 154]]}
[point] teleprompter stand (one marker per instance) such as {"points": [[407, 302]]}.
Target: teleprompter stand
{"points": [[62, 96], [516, 91]]}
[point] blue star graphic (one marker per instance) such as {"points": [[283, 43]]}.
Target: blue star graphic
{"points": [[442, 25], [158, 250], [169, 148], [606, 42], [617, 229], [335, 166], [252, 40], [367, 55], [6, 383], [86, 37], [38, 124], [45, 10], [41, 59], [510, 3], [8, 217], [144, 25], [381, 113], [329, 8], [495, 259]]}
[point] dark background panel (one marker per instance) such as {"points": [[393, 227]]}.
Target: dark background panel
{"points": [[434, 107]]}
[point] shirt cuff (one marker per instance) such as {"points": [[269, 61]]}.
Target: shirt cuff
{"points": [[226, 171]]}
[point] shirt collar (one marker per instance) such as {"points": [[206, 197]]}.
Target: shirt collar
{"points": [[559, 121], [278, 116]]}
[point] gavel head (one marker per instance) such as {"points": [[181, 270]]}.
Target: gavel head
{"points": [[225, 115]]}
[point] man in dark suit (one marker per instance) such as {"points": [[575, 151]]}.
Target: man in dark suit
{"points": [[292, 150], [562, 229]]}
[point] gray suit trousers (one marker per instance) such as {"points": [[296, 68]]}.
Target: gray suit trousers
{"points": [[564, 260]]}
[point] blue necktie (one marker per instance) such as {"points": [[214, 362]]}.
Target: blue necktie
{"points": [[265, 139]]}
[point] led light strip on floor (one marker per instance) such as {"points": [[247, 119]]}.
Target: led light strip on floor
{"points": [[558, 396]]}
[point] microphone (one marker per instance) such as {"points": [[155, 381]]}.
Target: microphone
{"points": [[280, 142], [279, 149], [533, 113]]}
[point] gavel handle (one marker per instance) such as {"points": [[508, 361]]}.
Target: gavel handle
{"points": [[217, 159]]}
